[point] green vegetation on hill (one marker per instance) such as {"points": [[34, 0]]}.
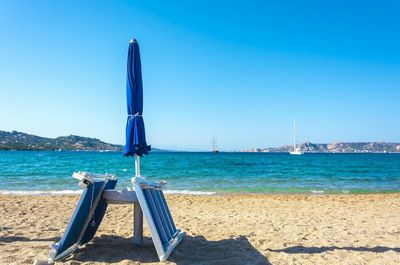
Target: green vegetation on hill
{"points": [[21, 141]]}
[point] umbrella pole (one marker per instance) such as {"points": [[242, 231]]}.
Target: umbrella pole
{"points": [[137, 212], [137, 166]]}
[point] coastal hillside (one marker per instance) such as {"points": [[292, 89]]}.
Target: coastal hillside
{"points": [[22, 141], [356, 147]]}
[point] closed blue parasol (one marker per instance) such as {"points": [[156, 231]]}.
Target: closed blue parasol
{"points": [[135, 133]]}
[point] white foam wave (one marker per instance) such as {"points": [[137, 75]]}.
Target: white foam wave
{"points": [[40, 192], [317, 191], [191, 192]]}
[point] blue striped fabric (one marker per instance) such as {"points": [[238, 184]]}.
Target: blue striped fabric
{"points": [[161, 215]]}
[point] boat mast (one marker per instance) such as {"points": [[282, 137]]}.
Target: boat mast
{"points": [[214, 144], [294, 135]]}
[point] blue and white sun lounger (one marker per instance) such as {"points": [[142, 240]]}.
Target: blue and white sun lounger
{"points": [[97, 194], [155, 209], [87, 216]]}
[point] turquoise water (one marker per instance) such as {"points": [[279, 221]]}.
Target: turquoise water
{"points": [[28, 171]]}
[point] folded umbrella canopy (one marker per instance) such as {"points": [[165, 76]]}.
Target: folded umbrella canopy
{"points": [[135, 133]]}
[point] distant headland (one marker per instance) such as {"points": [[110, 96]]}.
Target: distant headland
{"points": [[22, 141], [10, 141], [14, 141], [354, 147]]}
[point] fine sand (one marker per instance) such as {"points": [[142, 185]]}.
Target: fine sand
{"points": [[221, 229]]}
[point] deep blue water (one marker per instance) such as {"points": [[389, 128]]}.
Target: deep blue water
{"points": [[207, 172]]}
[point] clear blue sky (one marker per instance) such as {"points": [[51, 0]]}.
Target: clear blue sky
{"points": [[242, 70]]}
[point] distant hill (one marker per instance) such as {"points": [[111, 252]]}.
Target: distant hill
{"points": [[356, 147], [22, 141]]}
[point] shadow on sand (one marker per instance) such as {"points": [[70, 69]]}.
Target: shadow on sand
{"points": [[11, 239], [316, 250], [192, 250]]}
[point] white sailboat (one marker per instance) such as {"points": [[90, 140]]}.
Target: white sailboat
{"points": [[295, 151]]}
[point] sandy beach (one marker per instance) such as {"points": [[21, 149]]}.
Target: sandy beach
{"points": [[221, 229]]}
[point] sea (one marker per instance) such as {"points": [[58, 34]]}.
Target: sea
{"points": [[40, 172]]}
